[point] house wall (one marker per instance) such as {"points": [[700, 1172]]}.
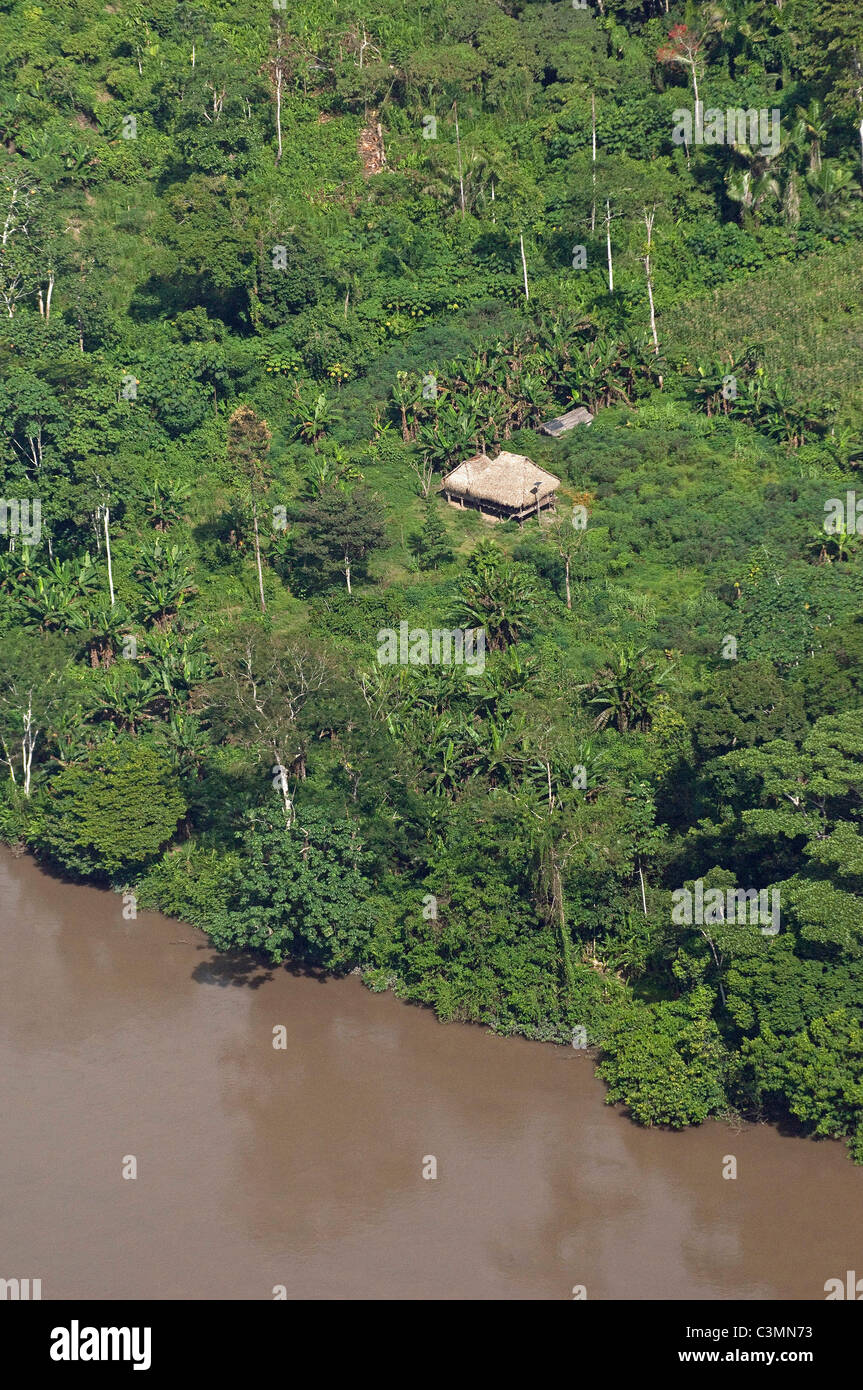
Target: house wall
{"points": [[495, 509]]}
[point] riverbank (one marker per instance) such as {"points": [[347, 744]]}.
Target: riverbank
{"points": [[302, 1165]]}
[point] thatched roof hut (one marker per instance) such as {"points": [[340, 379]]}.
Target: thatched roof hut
{"points": [[507, 486], [561, 423]]}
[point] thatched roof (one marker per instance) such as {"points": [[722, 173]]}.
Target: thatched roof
{"points": [[506, 481], [562, 423]]}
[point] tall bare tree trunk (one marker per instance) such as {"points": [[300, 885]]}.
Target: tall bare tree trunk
{"points": [[523, 264], [10, 215], [283, 786], [458, 147], [648, 222], [28, 743], [608, 246], [105, 520], [7, 758], [258, 556], [593, 161]]}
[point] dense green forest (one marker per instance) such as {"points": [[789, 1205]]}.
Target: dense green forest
{"points": [[267, 272]]}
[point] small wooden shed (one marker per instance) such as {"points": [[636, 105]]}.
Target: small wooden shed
{"points": [[561, 423], [510, 486]]}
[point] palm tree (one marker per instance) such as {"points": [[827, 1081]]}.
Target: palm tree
{"points": [[830, 186], [248, 446], [810, 130], [750, 188], [482, 179], [791, 198], [437, 179], [754, 184]]}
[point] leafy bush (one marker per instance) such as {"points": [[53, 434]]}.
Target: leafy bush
{"points": [[112, 812]]}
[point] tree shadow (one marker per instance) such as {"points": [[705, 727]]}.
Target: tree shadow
{"points": [[246, 968], [302, 970], [233, 968]]}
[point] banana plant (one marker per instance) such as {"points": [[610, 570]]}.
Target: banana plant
{"points": [[16, 571], [846, 447], [495, 595], [54, 599], [504, 676], [407, 395], [453, 430], [166, 506], [72, 737], [332, 470], [626, 690], [313, 416], [188, 742], [123, 696], [783, 416], [164, 576], [446, 778], [494, 751], [177, 663], [833, 546], [105, 627]]}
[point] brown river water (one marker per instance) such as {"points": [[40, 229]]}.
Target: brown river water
{"points": [[303, 1167]]}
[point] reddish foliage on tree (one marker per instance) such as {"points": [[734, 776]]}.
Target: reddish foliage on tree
{"points": [[683, 46]]}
